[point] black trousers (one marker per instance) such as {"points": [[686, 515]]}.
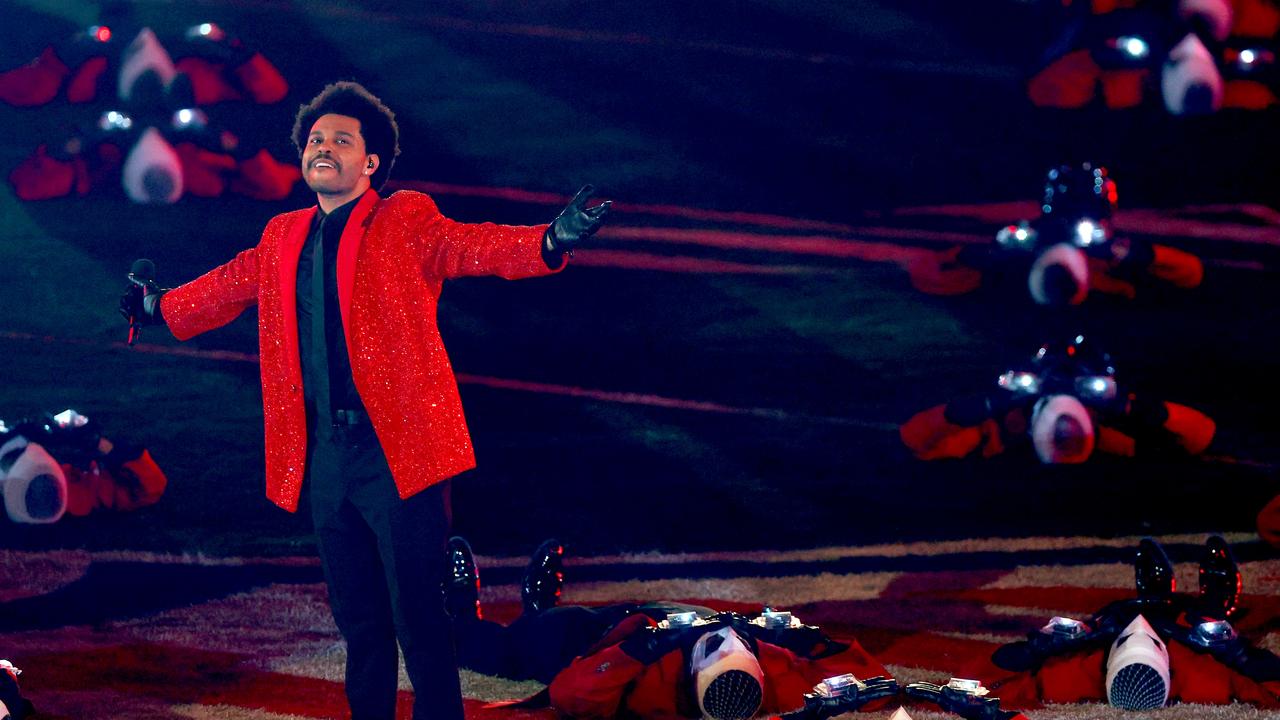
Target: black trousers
{"points": [[384, 560]]}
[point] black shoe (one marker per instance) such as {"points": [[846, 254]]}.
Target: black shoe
{"points": [[11, 698], [543, 578], [1153, 573], [1220, 581], [462, 588]]}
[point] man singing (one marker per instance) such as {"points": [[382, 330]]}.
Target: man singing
{"points": [[359, 399]]}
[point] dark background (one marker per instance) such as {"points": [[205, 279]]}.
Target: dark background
{"points": [[844, 112]]}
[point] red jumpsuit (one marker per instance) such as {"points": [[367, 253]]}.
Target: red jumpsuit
{"points": [[114, 482]]}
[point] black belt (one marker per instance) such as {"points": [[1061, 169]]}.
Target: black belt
{"points": [[350, 418]]}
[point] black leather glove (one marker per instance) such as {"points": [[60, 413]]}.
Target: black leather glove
{"points": [[818, 706], [1130, 257], [1040, 645], [140, 303], [807, 641], [965, 704], [74, 444], [575, 223], [649, 644]]}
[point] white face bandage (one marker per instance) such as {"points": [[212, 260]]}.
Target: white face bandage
{"points": [[144, 54], [152, 172], [35, 488], [1069, 264], [1061, 430], [1138, 668], [1189, 81], [730, 683]]}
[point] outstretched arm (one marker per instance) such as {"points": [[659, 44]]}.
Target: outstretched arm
{"points": [[453, 249], [213, 299]]}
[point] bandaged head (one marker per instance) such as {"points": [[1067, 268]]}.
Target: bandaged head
{"points": [[1061, 430], [727, 676], [1138, 668], [34, 487], [1059, 276], [1189, 79]]}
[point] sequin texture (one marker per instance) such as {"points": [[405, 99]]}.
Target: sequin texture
{"points": [[403, 249]]}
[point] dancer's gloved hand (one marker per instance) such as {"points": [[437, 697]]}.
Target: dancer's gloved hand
{"points": [[805, 640], [140, 302], [820, 706], [575, 223], [966, 704], [1040, 645], [76, 442], [648, 644]]}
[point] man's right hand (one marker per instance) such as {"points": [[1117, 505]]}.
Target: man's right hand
{"points": [[140, 303]]}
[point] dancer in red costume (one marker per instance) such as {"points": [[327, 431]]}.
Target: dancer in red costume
{"points": [[1208, 661], [359, 398], [62, 464], [658, 659], [1065, 404]]}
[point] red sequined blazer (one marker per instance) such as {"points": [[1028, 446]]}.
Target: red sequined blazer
{"points": [[393, 256]]}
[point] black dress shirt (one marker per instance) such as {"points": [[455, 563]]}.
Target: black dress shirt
{"points": [[327, 383]]}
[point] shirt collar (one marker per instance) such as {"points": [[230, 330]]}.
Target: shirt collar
{"points": [[339, 214]]}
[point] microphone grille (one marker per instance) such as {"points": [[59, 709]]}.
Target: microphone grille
{"points": [[143, 269]]}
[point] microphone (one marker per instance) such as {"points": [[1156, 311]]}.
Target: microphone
{"points": [[142, 274]]}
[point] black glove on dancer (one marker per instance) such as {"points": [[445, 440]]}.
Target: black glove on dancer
{"points": [[574, 224], [820, 706], [649, 644], [968, 705]]}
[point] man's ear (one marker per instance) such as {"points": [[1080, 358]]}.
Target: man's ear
{"points": [[371, 165]]}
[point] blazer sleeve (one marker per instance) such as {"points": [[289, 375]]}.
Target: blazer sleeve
{"points": [[213, 299], [452, 249]]}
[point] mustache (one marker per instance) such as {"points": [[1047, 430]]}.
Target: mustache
{"points": [[329, 158]]}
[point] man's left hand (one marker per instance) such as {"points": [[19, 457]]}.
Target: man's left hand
{"points": [[576, 222]]}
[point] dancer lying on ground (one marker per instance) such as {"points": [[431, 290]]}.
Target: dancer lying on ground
{"points": [[661, 659], [1064, 403], [1143, 652]]}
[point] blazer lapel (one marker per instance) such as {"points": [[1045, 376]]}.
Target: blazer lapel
{"points": [[290, 250], [348, 251]]}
